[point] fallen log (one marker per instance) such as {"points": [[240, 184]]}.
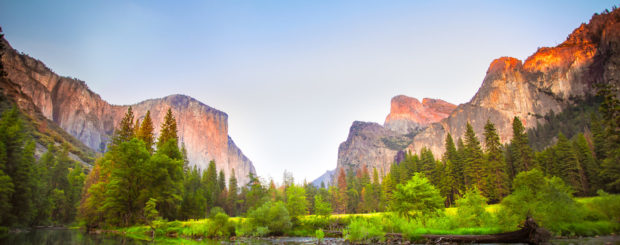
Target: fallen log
{"points": [[529, 233]]}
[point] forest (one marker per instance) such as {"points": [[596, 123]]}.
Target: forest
{"points": [[145, 184]]}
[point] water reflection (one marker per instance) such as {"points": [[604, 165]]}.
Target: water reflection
{"points": [[65, 237]]}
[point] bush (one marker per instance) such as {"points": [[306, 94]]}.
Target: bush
{"points": [[471, 210], [548, 200], [606, 205], [364, 230], [417, 195], [274, 216], [319, 235]]}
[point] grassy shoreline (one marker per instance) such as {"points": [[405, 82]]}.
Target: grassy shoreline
{"points": [[362, 227]]}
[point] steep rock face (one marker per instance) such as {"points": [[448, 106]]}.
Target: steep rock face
{"points": [[409, 115], [375, 146], [549, 80], [324, 179], [82, 113], [368, 144]]}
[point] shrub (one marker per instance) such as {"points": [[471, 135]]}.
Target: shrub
{"points": [[548, 200], [319, 235], [364, 230], [419, 196], [472, 209], [274, 216]]}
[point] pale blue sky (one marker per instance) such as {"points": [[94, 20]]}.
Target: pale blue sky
{"points": [[291, 75]]}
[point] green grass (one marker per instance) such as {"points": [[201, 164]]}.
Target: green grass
{"points": [[603, 218]]}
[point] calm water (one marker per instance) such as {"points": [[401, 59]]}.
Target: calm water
{"points": [[71, 237]]}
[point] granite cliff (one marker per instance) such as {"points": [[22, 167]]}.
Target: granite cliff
{"points": [[70, 104], [375, 146], [549, 80]]}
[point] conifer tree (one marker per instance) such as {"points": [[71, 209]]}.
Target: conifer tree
{"points": [[473, 167], [522, 154], [341, 197], [232, 194], [125, 130], [567, 164], [168, 129], [588, 163], [496, 177], [145, 133], [209, 181], [452, 174]]}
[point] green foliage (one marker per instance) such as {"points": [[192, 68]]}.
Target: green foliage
{"points": [[364, 230], [472, 209], [168, 129], [319, 234], [496, 179], [273, 216], [605, 205], [473, 167], [296, 201], [418, 197], [548, 200], [150, 211], [321, 207]]}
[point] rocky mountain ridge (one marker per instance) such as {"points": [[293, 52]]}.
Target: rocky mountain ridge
{"points": [[85, 115], [374, 146], [549, 80]]}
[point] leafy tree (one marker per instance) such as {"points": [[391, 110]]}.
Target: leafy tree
{"points": [[472, 209], [151, 214], [296, 203], [274, 216], [321, 207], [547, 200], [418, 197]]}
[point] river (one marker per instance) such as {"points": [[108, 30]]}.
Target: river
{"points": [[74, 237]]}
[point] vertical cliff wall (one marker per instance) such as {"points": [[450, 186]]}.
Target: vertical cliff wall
{"points": [[84, 114]]}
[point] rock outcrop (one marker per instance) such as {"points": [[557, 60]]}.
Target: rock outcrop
{"points": [[549, 80], [374, 146], [409, 115], [85, 115]]}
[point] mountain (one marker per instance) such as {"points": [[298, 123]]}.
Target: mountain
{"points": [[70, 104], [374, 146], [549, 80], [326, 178]]}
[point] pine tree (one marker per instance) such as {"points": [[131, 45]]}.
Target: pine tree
{"points": [[496, 177], [145, 133], [522, 154], [453, 174], [341, 198], [588, 163], [473, 167], [610, 122], [232, 194], [168, 129], [125, 130], [567, 164], [209, 181]]}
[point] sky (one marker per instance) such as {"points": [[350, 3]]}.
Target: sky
{"points": [[291, 75]]}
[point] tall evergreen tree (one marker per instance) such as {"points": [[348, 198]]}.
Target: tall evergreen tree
{"points": [[588, 163], [145, 133], [496, 177], [567, 164], [522, 154], [232, 194], [168, 129], [209, 181], [473, 167], [125, 130]]}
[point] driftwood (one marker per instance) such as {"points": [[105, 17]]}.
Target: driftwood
{"points": [[529, 233]]}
